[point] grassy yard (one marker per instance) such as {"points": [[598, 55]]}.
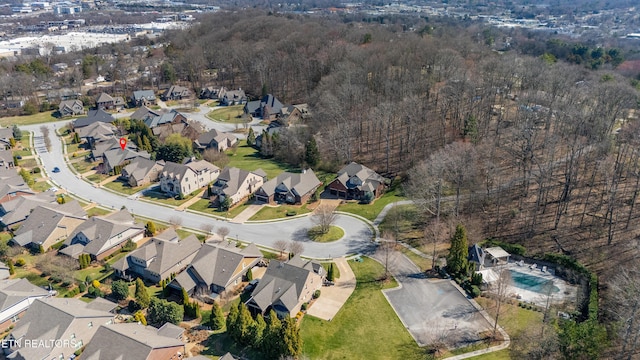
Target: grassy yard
{"points": [[163, 199], [336, 271], [202, 205], [22, 152], [229, 114], [422, 263], [370, 211], [28, 163], [97, 211], [247, 158], [28, 119], [123, 188], [96, 178], [82, 166], [365, 328], [334, 233], [40, 185], [279, 212]]}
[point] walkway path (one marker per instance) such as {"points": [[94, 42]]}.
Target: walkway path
{"points": [[193, 200], [332, 298], [246, 214]]}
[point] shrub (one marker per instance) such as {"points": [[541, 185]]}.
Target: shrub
{"points": [[36, 170], [476, 278], [475, 291], [95, 283], [20, 262], [291, 213], [305, 306], [82, 287], [316, 294]]}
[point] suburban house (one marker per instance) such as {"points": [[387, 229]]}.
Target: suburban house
{"points": [[143, 98], [214, 139], [113, 143], [5, 135], [71, 108], [216, 268], [53, 318], [16, 296], [267, 108], [293, 114], [113, 158], [231, 97], [46, 226], [6, 158], [132, 341], [176, 92], [97, 132], [12, 185], [183, 179], [107, 102], [170, 117], [93, 116], [144, 113], [141, 171], [236, 184], [285, 286], [289, 188], [210, 92], [157, 259], [355, 180], [14, 212], [101, 236]]}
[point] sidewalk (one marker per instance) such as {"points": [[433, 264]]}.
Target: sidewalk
{"points": [[191, 201]]}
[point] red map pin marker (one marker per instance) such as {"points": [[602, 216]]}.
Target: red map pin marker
{"points": [[123, 143]]}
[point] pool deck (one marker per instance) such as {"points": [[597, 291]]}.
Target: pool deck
{"points": [[567, 293]]}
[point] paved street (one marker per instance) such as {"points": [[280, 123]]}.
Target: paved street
{"points": [[357, 233]]}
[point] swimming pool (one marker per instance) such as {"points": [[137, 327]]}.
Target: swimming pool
{"points": [[532, 282]]}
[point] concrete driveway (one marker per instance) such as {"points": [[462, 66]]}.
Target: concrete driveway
{"points": [[434, 311], [332, 298], [357, 238]]}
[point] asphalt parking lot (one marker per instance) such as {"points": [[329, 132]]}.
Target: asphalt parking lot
{"points": [[433, 311]]}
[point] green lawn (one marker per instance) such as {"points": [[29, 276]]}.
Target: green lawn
{"points": [[96, 178], [370, 211], [82, 166], [163, 199], [28, 119], [122, 187], [279, 212], [22, 152], [334, 233], [365, 328], [248, 158], [229, 114], [202, 205], [336, 271], [498, 355], [40, 185], [28, 163], [97, 211]]}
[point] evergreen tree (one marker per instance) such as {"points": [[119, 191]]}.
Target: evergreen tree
{"points": [[232, 319], [209, 191], [244, 324], [119, 290], [146, 144], [12, 269], [150, 228], [312, 155], [217, 317], [185, 297], [457, 259], [249, 275], [76, 138], [12, 142], [17, 133], [291, 340], [330, 273], [142, 296], [251, 137], [257, 331], [162, 311], [271, 340]]}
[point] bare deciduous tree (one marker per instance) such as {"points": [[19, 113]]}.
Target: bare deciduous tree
{"points": [[625, 306], [223, 231], [175, 221], [216, 157], [207, 228], [324, 216], [500, 291], [296, 247], [280, 245], [387, 245]]}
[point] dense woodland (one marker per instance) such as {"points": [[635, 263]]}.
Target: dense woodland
{"points": [[528, 150]]}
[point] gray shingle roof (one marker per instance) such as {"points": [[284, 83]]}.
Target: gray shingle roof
{"points": [[138, 168], [111, 144], [359, 176], [116, 157], [205, 139], [130, 341], [148, 95], [229, 181], [44, 220], [282, 284], [104, 97], [100, 229], [19, 209], [217, 264], [92, 117], [15, 290], [99, 131], [144, 113], [296, 183]]}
